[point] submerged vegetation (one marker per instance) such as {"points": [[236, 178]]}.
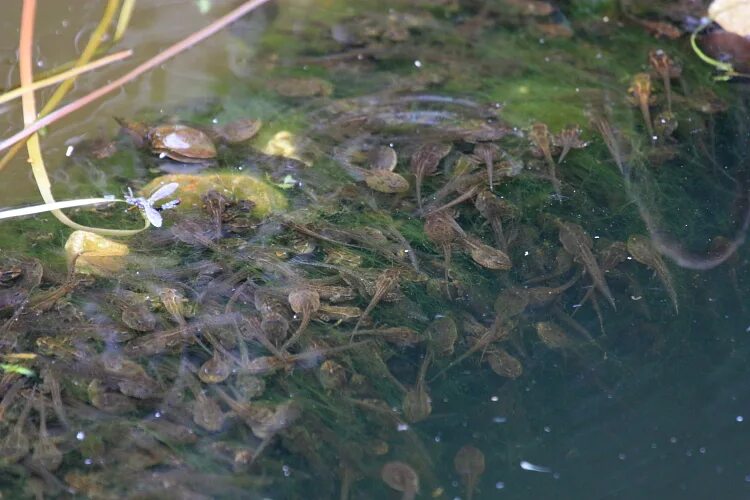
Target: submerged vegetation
{"points": [[406, 211]]}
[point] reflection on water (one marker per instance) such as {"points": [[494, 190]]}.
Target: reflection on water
{"points": [[428, 251]]}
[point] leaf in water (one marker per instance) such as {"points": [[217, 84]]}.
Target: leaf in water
{"points": [[95, 254]]}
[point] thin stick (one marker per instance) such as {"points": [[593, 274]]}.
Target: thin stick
{"points": [[40, 84], [136, 72]]}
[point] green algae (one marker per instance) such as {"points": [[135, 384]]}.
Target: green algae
{"points": [[266, 199]]}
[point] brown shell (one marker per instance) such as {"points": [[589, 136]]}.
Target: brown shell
{"points": [[182, 143]]}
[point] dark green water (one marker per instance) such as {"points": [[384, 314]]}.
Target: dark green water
{"points": [[635, 400]]}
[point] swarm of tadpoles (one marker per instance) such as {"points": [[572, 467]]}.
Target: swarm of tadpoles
{"points": [[239, 325]]}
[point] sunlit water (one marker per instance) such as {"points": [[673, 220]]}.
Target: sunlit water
{"points": [[656, 407]]}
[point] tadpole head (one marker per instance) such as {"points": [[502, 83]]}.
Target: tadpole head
{"points": [[304, 301]]}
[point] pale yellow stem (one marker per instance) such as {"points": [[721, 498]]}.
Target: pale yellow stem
{"points": [[122, 22]]}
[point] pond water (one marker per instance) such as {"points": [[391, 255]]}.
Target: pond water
{"points": [[452, 246]]}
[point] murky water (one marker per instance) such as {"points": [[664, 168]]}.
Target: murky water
{"points": [[551, 318]]}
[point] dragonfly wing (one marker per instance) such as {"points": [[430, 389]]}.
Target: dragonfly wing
{"points": [[152, 215], [163, 192]]}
